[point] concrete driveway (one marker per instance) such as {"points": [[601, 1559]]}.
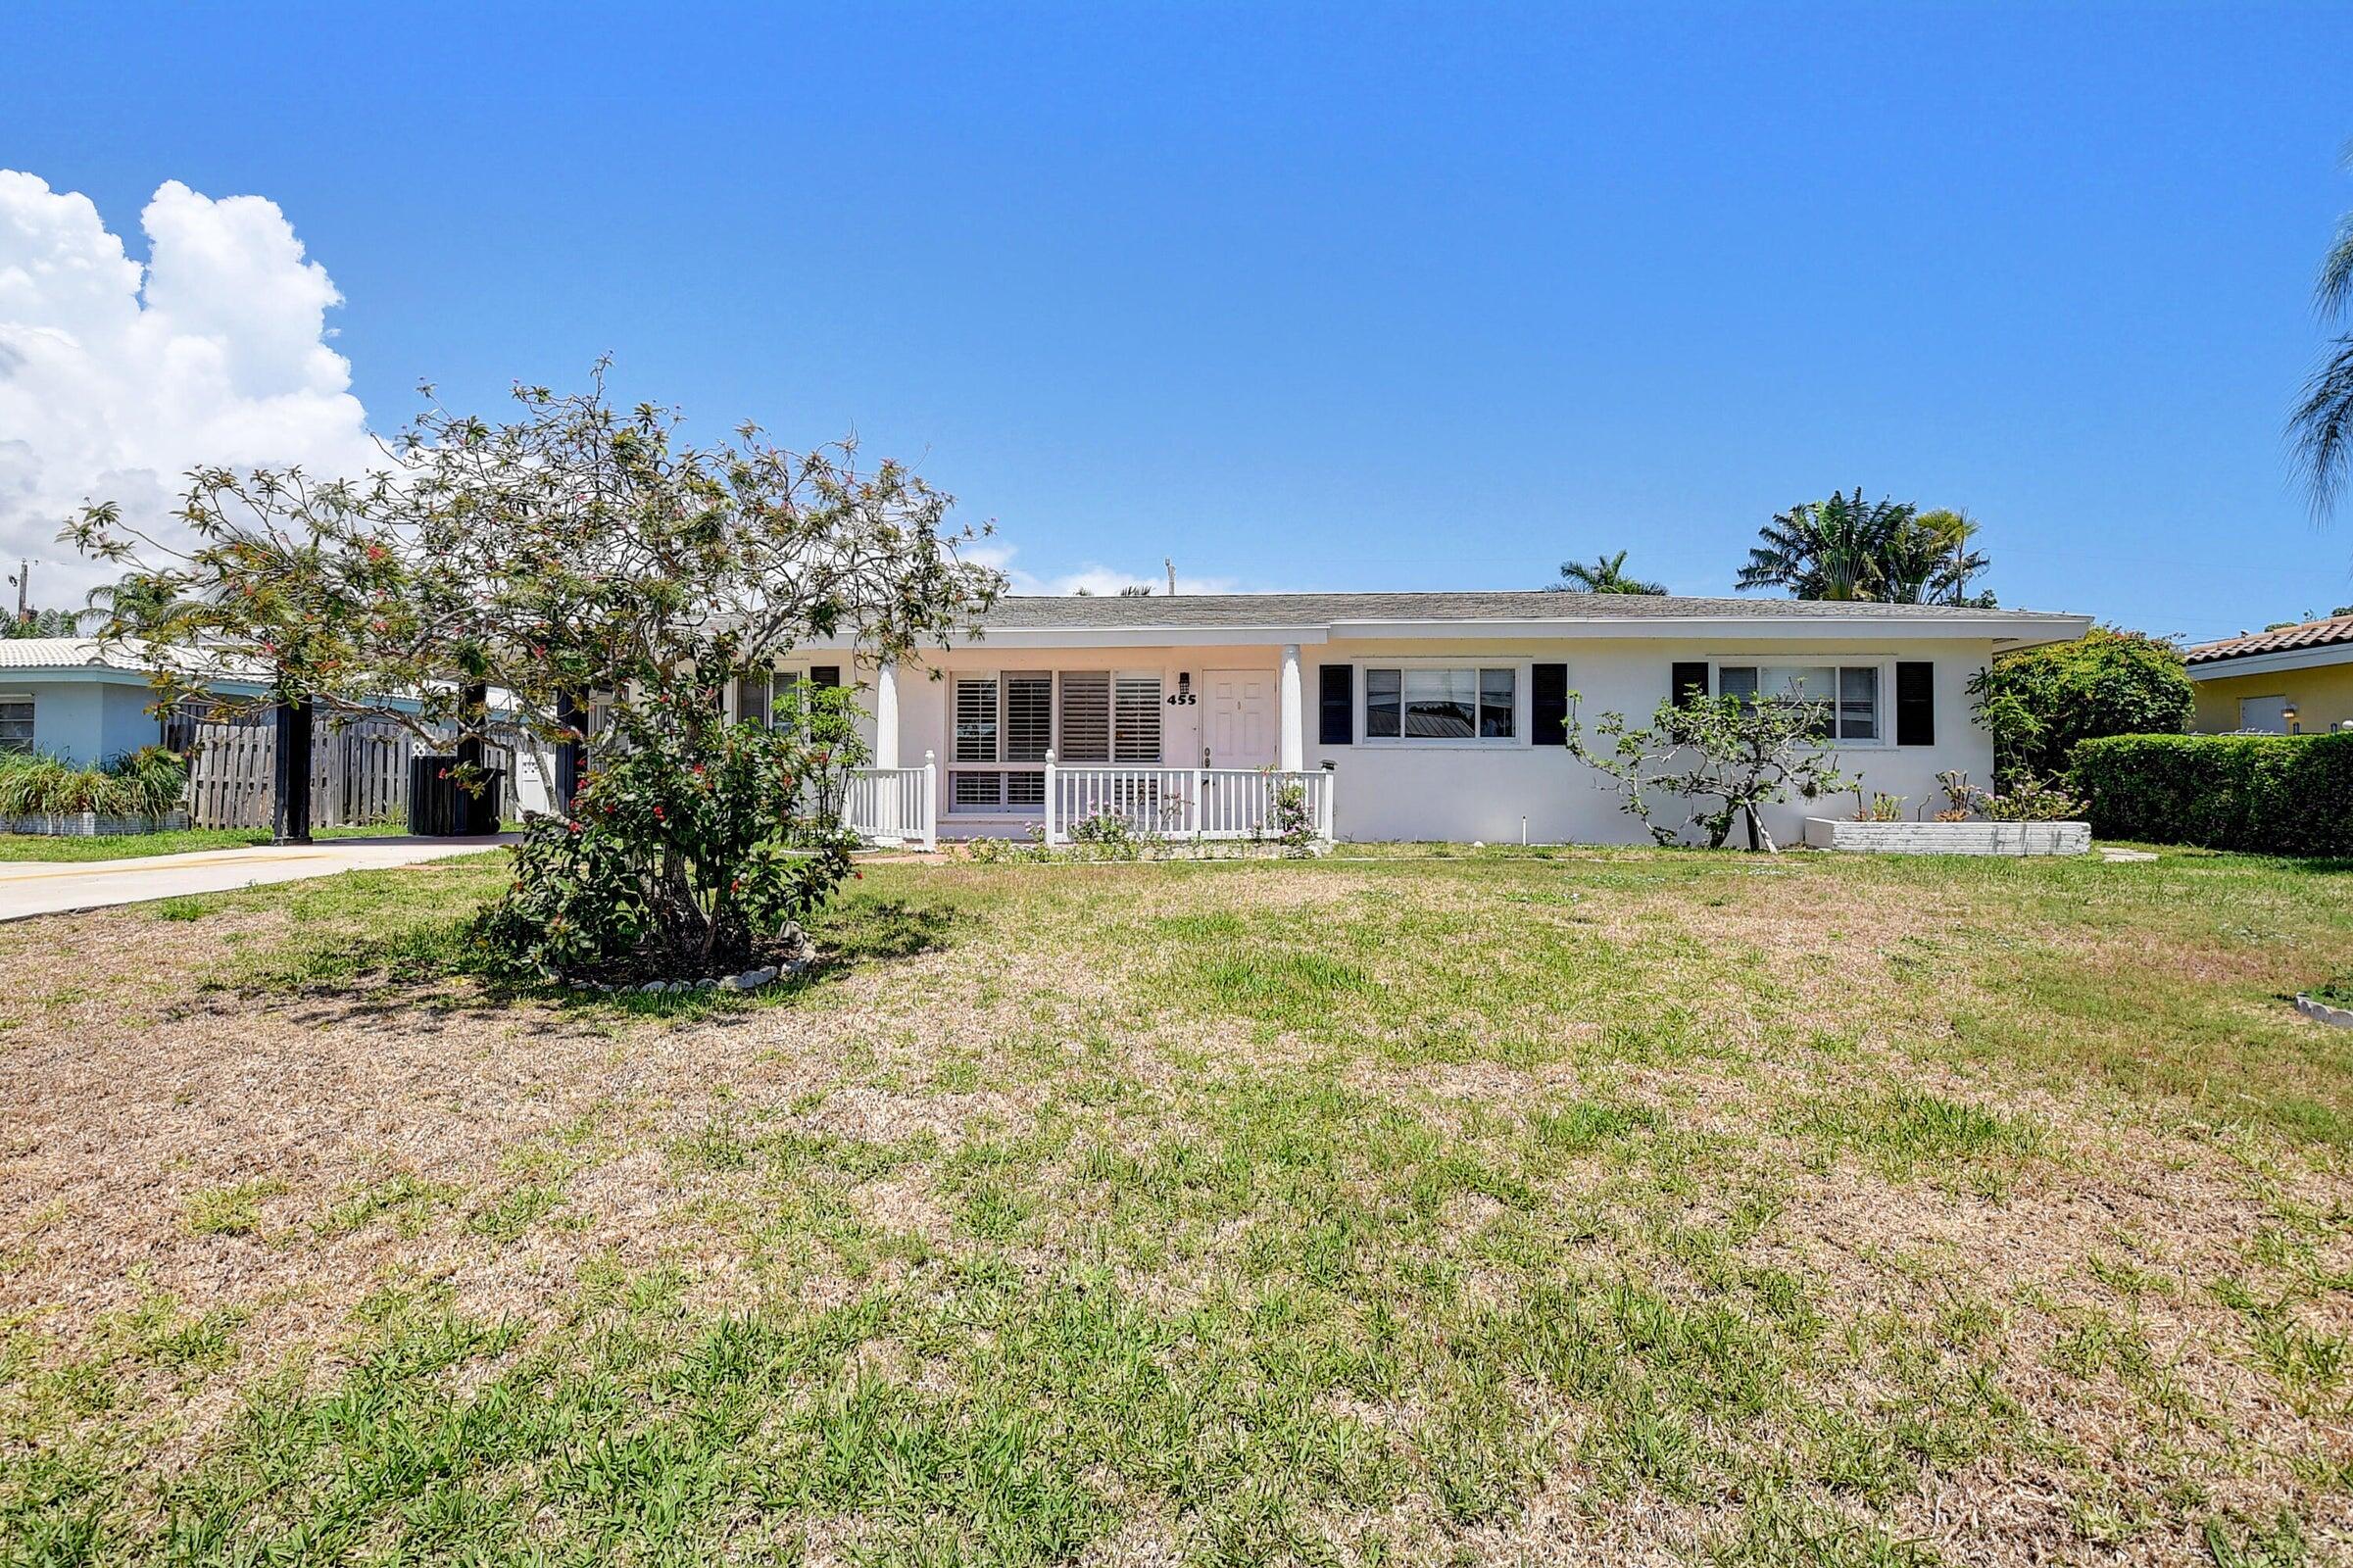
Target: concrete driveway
{"points": [[51, 887]]}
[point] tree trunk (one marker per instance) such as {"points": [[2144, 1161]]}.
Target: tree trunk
{"points": [[571, 752]]}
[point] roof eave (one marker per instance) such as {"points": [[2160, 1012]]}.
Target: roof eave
{"points": [[2310, 656]]}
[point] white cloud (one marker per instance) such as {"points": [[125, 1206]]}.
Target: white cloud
{"points": [[114, 379], [1093, 578]]}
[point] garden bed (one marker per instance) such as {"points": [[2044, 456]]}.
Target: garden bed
{"points": [[1948, 838]]}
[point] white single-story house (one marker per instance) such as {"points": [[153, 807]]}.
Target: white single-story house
{"points": [[1397, 716]]}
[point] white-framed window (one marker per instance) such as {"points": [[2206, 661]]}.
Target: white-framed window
{"points": [[1004, 723], [759, 693], [774, 696], [1442, 704], [16, 721], [1852, 697]]}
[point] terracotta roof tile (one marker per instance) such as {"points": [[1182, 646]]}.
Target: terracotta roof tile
{"points": [[2303, 634]]}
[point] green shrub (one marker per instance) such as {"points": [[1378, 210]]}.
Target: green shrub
{"points": [[147, 782], [684, 856], [2040, 702], [2272, 794]]}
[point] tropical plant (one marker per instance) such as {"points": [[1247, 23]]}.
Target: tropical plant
{"points": [[2029, 799], [824, 718], [2040, 702], [1878, 807], [1960, 796], [576, 549], [1606, 575], [1724, 757], [42, 623], [147, 782], [2322, 421], [1294, 823], [682, 856], [1846, 548]]}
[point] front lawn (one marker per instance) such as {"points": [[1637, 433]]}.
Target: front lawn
{"points": [[173, 841], [1485, 1208]]}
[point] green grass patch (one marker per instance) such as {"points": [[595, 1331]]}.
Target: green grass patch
{"points": [[232, 1211], [177, 840]]}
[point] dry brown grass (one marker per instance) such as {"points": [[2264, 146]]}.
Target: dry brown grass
{"points": [[1139, 1133]]}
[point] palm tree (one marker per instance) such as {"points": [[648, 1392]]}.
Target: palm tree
{"points": [[1825, 549], [1929, 561], [1847, 548], [1606, 575], [2322, 423]]}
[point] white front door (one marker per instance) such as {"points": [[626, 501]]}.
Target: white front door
{"points": [[1240, 724], [2266, 716]]}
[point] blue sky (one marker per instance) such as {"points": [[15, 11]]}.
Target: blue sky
{"points": [[1337, 297]]}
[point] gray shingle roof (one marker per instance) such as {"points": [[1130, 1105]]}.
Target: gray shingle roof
{"points": [[1089, 611]]}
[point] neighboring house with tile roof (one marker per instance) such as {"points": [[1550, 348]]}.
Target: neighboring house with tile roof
{"points": [[1403, 715], [2287, 680]]}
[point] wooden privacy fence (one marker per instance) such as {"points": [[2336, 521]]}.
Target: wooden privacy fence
{"points": [[359, 774]]}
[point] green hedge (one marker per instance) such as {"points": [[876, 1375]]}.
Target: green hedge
{"points": [[2273, 794]]}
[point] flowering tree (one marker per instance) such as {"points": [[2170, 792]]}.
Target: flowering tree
{"points": [[1725, 758], [574, 550]]}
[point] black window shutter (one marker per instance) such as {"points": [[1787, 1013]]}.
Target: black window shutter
{"points": [[1915, 704], [824, 674], [1337, 690], [1548, 705], [1688, 678]]}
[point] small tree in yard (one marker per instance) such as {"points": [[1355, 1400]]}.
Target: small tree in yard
{"points": [[578, 549], [1725, 758]]}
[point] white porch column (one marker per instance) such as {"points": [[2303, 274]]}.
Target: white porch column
{"points": [[1290, 717], [886, 713]]}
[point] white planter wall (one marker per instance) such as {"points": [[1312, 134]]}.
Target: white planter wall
{"points": [[89, 824], [1948, 838]]}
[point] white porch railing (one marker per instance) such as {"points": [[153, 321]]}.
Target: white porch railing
{"points": [[1189, 803], [895, 805]]}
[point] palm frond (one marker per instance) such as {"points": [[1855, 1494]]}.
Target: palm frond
{"points": [[2322, 427], [2334, 290]]}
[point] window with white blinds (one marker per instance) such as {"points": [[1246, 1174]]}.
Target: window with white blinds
{"points": [[1028, 717], [1136, 719], [1086, 716], [1008, 722], [976, 720]]}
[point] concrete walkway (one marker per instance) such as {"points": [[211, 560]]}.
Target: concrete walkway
{"points": [[51, 887]]}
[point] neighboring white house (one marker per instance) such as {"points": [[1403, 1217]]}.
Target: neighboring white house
{"points": [[1406, 715]]}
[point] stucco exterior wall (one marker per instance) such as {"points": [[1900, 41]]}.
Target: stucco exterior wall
{"points": [[2323, 695], [87, 721], [1462, 791]]}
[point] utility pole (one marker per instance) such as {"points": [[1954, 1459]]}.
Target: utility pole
{"points": [[1170, 564], [24, 590]]}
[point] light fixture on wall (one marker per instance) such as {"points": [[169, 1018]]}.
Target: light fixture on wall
{"points": [[2288, 714]]}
